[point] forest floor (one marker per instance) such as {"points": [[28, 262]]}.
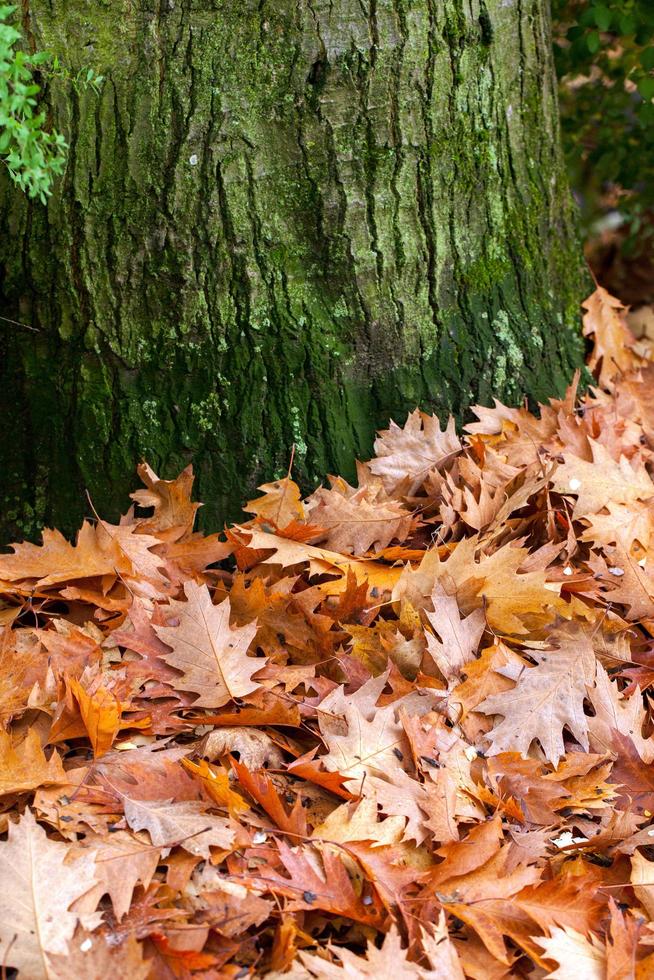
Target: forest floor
{"points": [[396, 731]]}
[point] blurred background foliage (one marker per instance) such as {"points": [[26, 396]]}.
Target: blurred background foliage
{"points": [[605, 61]]}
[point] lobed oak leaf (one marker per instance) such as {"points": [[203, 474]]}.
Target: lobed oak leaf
{"points": [[642, 880], [368, 748], [602, 481], [210, 654], [605, 321], [281, 503], [634, 397], [306, 767], [174, 511], [616, 712], [21, 670], [399, 795], [255, 749], [524, 780], [308, 886], [186, 824], [441, 803], [225, 903], [483, 896], [515, 599], [359, 821], [405, 456], [56, 560], [37, 889], [191, 555], [357, 522], [371, 646], [441, 952], [321, 561], [146, 772], [263, 708], [479, 846], [628, 582], [633, 777], [567, 901], [459, 636], [494, 920], [145, 574], [137, 635], [622, 946], [485, 676], [620, 524], [546, 699], [392, 869], [261, 788], [121, 862], [71, 649]]}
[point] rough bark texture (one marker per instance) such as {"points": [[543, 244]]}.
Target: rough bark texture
{"points": [[282, 222]]}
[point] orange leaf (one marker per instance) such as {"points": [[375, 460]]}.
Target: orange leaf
{"points": [[101, 714]]}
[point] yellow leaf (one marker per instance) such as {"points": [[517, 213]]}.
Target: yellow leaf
{"points": [[216, 782]]}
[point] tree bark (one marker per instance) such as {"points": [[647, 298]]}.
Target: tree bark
{"points": [[282, 222]]}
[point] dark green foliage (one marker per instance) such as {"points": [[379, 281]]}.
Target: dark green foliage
{"points": [[605, 58]]}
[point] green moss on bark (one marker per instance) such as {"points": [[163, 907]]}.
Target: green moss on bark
{"points": [[280, 224]]}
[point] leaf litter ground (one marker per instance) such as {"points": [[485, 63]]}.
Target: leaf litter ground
{"points": [[397, 730]]}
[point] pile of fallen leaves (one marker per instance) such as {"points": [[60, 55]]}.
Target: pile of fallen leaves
{"points": [[398, 730]]}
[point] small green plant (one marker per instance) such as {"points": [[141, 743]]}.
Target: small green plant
{"points": [[83, 79], [33, 155]]}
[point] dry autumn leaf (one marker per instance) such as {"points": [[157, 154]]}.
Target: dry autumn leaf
{"points": [[431, 761], [210, 654], [186, 824], [406, 456], [24, 767], [37, 889], [546, 699]]}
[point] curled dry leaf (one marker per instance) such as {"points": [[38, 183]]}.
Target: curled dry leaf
{"points": [[254, 748]]}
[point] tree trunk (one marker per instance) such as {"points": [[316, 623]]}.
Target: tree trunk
{"points": [[282, 222]]}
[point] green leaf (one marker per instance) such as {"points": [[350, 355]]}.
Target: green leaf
{"points": [[603, 18], [627, 24], [646, 87], [593, 42]]}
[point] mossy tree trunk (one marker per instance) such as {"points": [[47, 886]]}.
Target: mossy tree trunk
{"points": [[282, 222]]}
